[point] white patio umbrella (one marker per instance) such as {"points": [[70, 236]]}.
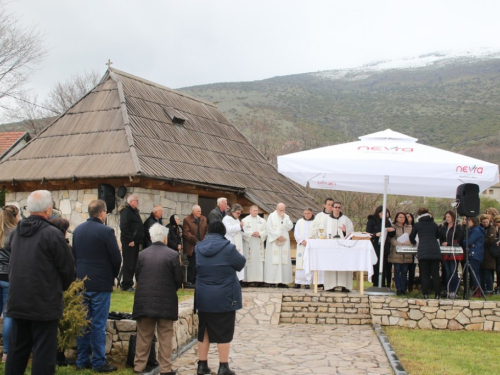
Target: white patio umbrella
{"points": [[387, 162]]}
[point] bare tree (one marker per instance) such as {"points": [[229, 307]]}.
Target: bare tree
{"points": [[34, 116], [21, 48], [64, 95], [29, 113]]}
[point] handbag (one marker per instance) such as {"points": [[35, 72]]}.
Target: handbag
{"points": [[152, 362]]}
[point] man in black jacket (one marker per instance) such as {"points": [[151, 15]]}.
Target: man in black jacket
{"points": [[218, 213], [131, 237], [155, 217], [97, 258], [158, 276], [41, 268]]}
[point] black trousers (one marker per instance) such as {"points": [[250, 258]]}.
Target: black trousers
{"points": [[129, 254], [411, 276], [429, 268], [32, 335], [191, 270]]}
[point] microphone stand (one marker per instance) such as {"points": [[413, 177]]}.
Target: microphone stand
{"points": [[337, 235]]}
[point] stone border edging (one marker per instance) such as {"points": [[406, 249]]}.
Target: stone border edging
{"points": [[396, 364]]}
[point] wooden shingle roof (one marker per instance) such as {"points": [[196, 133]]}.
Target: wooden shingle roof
{"points": [[128, 126]]}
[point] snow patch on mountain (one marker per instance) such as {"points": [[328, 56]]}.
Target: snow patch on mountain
{"points": [[434, 59]]}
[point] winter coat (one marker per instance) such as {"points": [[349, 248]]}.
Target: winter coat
{"points": [[147, 225], [158, 274], [131, 227], [97, 255], [476, 243], [453, 237], [217, 286], [490, 237], [189, 231], [216, 215], [394, 257], [41, 267], [428, 235], [174, 234], [373, 226]]}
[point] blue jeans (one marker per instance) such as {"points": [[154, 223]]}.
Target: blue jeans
{"points": [[7, 322], [451, 272], [91, 346], [400, 275]]}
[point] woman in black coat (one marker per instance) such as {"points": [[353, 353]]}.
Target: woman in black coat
{"points": [[374, 226], [428, 251], [451, 234], [174, 233]]}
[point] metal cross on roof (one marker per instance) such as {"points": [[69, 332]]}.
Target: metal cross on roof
{"points": [[109, 63]]}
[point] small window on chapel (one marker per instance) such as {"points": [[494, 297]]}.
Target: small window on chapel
{"points": [[176, 119]]}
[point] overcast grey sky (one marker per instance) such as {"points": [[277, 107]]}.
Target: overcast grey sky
{"points": [[193, 42]]}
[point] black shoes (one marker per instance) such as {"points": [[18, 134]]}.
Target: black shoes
{"points": [[297, 286], [282, 285], [106, 368], [203, 368], [308, 287], [225, 370]]}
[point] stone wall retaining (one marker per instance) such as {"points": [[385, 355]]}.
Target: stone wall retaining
{"points": [[436, 314], [185, 329]]}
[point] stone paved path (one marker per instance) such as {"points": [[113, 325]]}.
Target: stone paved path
{"points": [[297, 349]]}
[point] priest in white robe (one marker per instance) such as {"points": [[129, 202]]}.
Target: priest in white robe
{"points": [[278, 264], [302, 234], [254, 236], [321, 219], [234, 232], [338, 226]]}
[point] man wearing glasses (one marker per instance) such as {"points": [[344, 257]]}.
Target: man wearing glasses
{"points": [[131, 237]]}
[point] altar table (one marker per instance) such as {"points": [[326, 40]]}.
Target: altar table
{"points": [[339, 255]]}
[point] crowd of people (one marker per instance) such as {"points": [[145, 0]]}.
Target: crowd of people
{"points": [[439, 271], [222, 254]]}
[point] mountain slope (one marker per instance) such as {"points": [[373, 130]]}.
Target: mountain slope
{"points": [[451, 103]]}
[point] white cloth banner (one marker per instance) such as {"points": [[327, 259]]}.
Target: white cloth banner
{"points": [[339, 255]]}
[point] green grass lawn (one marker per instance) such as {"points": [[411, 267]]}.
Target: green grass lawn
{"points": [[431, 352], [124, 301]]}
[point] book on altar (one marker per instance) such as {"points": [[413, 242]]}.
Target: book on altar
{"points": [[359, 236]]}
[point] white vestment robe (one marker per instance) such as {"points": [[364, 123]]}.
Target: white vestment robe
{"points": [[234, 235], [253, 248], [340, 278], [278, 264], [320, 222], [303, 231]]}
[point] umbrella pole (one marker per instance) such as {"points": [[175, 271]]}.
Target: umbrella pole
{"points": [[382, 233], [379, 291]]}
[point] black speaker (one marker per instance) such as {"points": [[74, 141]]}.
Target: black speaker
{"points": [[468, 200], [107, 194]]}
